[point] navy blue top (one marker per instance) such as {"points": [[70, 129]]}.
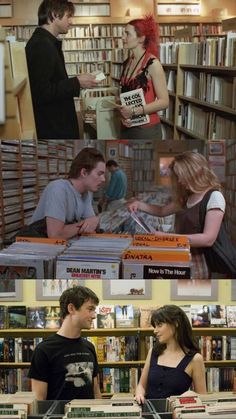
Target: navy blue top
{"points": [[166, 381]]}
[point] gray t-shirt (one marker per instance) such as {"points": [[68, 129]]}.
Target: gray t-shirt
{"points": [[60, 200]]}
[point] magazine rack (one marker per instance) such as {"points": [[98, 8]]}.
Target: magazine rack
{"points": [[99, 111]]}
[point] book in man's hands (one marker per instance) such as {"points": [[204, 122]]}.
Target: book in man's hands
{"points": [[145, 226], [135, 98]]}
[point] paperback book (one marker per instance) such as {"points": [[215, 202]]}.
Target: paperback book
{"points": [[136, 99]]}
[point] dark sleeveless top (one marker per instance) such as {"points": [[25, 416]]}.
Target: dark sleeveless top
{"points": [[187, 222], [166, 381]]}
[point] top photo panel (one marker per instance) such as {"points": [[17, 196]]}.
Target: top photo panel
{"points": [[109, 69]]}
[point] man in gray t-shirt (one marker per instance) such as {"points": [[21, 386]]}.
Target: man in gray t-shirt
{"points": [[67, 203]]}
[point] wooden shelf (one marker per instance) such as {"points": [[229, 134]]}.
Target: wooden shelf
{"points": [[211, 106]]}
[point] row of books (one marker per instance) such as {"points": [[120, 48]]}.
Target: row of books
{"points": [[210, 52], [205, 123], [88, 43], [116, 348], [13, 380], [119, 316], [17, 349], [118, 380], [20, 316], [203, 29], [217, 348], [210, 88]]}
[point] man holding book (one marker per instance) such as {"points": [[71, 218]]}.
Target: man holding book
{"points": [[64, 366], [52, 90]]}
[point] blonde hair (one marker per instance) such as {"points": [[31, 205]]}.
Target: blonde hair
{"points": [[193, 170]]}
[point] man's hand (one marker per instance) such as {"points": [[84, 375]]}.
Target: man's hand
{"points": [[87, 81], [88, 225]]}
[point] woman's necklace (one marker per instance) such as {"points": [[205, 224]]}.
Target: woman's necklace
{"points": [[127, 78]]}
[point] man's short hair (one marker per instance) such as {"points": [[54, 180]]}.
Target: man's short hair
{"points": [[110, 163], [88, 158], [48, 8], [77, 296]]}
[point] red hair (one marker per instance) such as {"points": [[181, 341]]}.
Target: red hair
{"points": [[147, 27]]}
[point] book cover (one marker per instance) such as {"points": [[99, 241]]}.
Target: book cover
{"points": [[105, 316], [36, 317], [218, 315], [17, 317], [200, 315], [3, 317], [231, 316], [145, 315], [124, 315], [135, 98], [52, 317]]}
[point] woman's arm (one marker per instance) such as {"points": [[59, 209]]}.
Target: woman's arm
{"points": [[198, 374], [134, 205], [142, 385], [213, 220]]}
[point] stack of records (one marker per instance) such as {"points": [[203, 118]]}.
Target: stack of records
{"points": [[154, 256], [95, 256], [26, 260], [125, 408]]}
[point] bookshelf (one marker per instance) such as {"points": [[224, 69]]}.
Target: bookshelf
{"points": [[230, 187], [26, 167], [19, 118], [120, 366]]}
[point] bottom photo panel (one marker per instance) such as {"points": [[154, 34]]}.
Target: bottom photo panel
{"points": [[117, 348]]}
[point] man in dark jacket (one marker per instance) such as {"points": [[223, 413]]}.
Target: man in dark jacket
{"points": [[52, 90]]}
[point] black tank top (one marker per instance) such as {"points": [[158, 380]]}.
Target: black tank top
{"points": [[166, 381]]}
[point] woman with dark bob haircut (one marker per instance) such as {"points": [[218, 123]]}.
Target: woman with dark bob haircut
{"points": [[174, 363]]}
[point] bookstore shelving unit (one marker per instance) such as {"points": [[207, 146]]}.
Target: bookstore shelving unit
{"points": [[230, 187], [19, 121], [140, 333], [26, 167]]}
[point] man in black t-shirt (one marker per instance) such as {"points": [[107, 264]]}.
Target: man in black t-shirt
{"points": [[64, 366]]}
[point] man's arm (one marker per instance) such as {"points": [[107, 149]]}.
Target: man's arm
{"points": [[40, 388], [58, 229], [96, 389]]}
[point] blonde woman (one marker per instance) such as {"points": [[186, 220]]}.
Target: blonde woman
{"points": [[192, 177]]}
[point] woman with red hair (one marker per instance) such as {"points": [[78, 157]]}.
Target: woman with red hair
{"points": [[143, 70]]}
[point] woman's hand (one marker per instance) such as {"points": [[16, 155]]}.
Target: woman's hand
{"points": [[139, 397], [126, 111], [133, 206], [126, 122]]}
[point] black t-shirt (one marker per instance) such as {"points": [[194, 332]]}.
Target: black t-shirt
{"points": [[67, 365]]}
